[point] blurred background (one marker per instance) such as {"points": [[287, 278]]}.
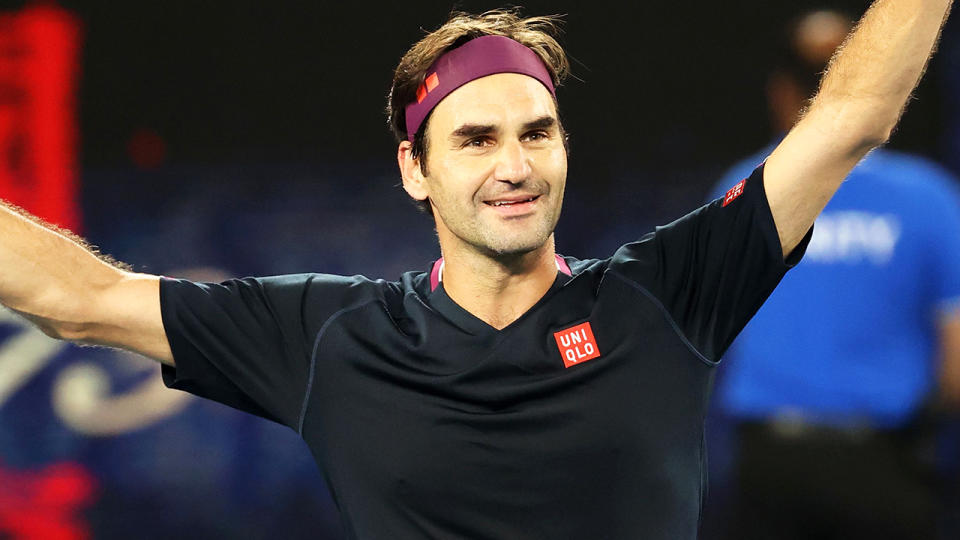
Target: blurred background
{"points": [[215, 139]]}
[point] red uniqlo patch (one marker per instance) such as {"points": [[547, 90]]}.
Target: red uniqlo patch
{"points": [[734, 192], [577, 344]]}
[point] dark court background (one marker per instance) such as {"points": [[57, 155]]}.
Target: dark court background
{"points": [[662, 99], [247, 138]]}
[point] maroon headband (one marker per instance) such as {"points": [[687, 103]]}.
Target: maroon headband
{"points": [[476, 58]]}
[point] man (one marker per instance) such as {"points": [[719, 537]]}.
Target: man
{"points": [[507, 392], [838, 369]]}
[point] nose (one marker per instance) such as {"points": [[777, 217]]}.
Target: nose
{"points": [[513, 163]]}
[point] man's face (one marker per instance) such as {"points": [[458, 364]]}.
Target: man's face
{"points": [[497, 165]]}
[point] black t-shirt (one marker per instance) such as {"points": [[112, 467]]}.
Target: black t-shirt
{"points": [[582, 419]]}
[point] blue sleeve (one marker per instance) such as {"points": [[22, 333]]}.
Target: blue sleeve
{"points": [[247, 342], [943, 222]]}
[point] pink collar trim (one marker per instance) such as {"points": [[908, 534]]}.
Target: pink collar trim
{"points": [[436, 274]]}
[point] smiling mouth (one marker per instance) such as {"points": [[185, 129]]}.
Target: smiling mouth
{"points": [[512, 203]]}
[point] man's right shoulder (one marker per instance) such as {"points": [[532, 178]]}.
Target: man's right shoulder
{"points": [[339, 290], [304, 296]]}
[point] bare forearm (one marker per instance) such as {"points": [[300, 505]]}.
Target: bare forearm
{"points": [[61, 284], [48, 276], [871, 77], [860, 100]]}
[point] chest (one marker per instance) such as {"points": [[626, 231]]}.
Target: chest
{"points": [[589, 397]]}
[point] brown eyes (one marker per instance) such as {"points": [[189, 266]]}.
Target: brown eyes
{"points": [[537, 136], [477, 142], [481, 142]]}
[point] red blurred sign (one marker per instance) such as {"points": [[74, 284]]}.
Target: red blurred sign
{"points": [[45, 504], [39, 49]]}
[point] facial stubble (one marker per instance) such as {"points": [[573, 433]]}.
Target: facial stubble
{"points": [[500, 237]]}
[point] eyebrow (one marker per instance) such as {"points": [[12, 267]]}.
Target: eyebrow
{"points": [[544, 122], [474, 130]]}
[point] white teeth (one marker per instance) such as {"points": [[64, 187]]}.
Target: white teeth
{"points": [[501, 203]]}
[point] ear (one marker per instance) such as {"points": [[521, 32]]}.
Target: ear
{"points": [[413, 181]]}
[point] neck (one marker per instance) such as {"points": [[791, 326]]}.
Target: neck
{"points": [[498, 290]]}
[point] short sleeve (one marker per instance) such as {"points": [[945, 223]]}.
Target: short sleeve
{"points": [[942, 213], [713, 268], [246, 342]]}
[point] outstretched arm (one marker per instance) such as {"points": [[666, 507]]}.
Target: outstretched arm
{"points": [[860, 100], [53, 279]]}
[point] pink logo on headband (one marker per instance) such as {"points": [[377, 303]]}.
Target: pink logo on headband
{"points": [[476, 58]]}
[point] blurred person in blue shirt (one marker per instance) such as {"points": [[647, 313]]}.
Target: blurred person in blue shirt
{"points": [[829, 381]]}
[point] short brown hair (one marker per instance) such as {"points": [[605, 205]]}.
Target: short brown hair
{"points": [[537, 33]]}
